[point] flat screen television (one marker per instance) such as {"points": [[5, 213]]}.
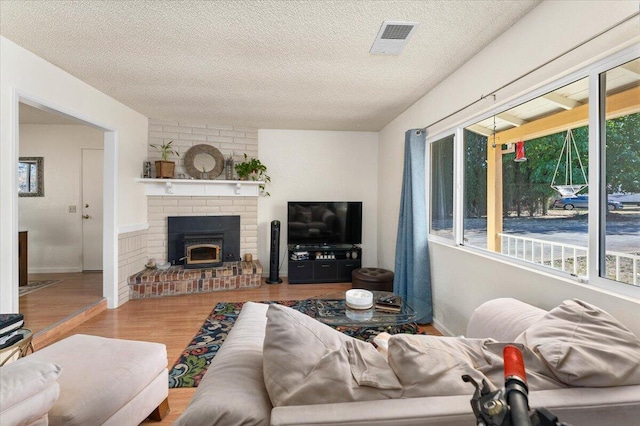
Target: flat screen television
{"points": [[324, 222]]}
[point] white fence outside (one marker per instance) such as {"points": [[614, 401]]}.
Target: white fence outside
{"points": [[622, 267]]}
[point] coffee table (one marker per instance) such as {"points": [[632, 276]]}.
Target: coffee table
{"points": [[332, 309]]}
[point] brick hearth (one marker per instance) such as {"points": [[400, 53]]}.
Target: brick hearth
{"points": [[176, 280]]}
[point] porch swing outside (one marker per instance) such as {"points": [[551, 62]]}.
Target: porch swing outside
{"points": [[569, 188]]}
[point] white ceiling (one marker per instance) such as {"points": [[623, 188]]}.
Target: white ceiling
{"points": [[265, 64]]}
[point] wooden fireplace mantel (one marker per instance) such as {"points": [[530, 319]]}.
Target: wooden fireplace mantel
{"points": [[200, 187]]}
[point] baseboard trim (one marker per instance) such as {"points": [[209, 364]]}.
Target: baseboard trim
{"points": [[441, 328], [57, 331], [62, 270]]}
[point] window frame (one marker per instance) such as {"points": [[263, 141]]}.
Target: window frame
{"points": [[428, 163], [597, 163]]}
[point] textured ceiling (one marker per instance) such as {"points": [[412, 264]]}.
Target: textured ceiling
{"points": [[266, 64]]}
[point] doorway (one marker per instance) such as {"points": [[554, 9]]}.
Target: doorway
{"points": [[56, 228]]}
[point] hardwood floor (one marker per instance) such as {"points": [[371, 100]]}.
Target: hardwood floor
{"points": [[49, 305], [175, 320]]}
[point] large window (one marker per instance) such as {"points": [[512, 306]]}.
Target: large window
{"points": [[529, 193], [526, 180]]}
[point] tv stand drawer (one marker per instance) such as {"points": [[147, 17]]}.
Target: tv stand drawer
{"points": [[346, 267], [326, 270], [322, 270], [301, 271]]}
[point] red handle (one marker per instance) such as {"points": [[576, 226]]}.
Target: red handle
{"points": [[513, 363]]}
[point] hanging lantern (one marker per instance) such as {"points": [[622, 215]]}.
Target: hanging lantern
{"points": [[520, 152]]}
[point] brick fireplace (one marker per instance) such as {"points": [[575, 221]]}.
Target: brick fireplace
{"points": [[204, 252], [232, 141], [178, 281], [161, 208]]}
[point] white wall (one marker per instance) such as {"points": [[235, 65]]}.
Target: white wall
{"points": [[461, 279], [24, 75], [318, 166], [55, 235]]}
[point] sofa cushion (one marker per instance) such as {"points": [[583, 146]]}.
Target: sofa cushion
{"points": [[434, 365], [28, 390], [502, 319], [307, 362], [585, 346]]}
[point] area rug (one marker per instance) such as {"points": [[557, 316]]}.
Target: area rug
{"points": [[195, 359], [35, 285]]}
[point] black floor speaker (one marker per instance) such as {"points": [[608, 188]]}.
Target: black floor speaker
{"points": [[275, 254]]}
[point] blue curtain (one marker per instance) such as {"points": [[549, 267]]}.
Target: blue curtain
{"points": [[412, 278]]}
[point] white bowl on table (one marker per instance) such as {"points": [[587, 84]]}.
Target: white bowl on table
{"points": [[358, 298]]}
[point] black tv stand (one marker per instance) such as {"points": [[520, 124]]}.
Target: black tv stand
{"points": [[322, 263], [322, 246]]}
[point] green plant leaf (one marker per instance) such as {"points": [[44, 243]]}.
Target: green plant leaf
{"points": [[253, 169]]}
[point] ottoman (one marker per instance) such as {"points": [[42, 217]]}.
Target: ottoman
{"points": [[107, 381], [376, 279]]}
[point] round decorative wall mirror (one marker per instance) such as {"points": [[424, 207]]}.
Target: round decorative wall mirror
{"points": [[204, 162]]}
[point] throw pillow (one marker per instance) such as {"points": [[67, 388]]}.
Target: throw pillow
{"points": [[433, 365], [585, 346], [307, 362]]}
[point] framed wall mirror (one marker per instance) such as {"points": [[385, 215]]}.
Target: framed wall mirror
{"points": [[31, 177], [203, 162]]}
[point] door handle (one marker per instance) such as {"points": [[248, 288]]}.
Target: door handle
{"points": [[86, 216]]}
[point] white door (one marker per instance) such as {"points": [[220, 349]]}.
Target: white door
{"points": [[92, 171]]}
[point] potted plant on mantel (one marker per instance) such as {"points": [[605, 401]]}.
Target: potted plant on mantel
{"points": [[253, 169], [164, 168]]}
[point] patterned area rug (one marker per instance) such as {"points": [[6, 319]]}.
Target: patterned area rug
{"points": [[35, 285], [194, 361]]}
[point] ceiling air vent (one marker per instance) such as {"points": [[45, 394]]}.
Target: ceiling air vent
{"points": [[393, 36]]}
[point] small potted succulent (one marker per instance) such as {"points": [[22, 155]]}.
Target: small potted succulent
{"points": [[253, 169], [164, 167]]}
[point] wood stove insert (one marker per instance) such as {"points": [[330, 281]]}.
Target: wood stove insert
{"points": [[212, 240], [203, 250]]}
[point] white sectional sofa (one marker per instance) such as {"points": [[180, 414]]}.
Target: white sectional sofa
{"points": [[233, 390]]}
